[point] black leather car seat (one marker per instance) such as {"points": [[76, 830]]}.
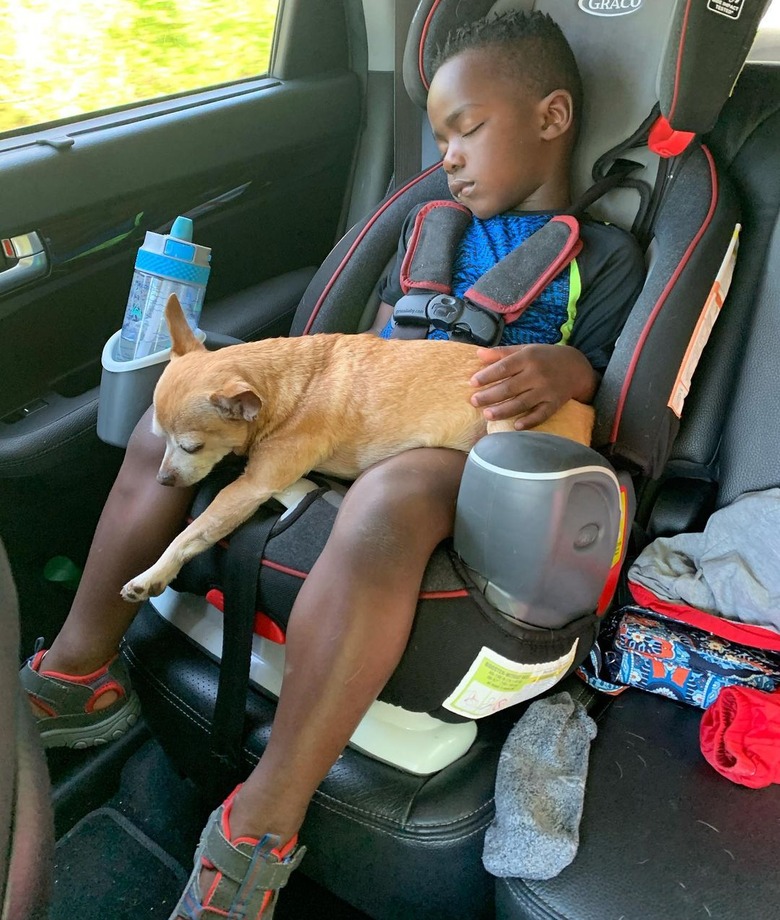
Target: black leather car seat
{"points": [[424, 833], [664, 835]]}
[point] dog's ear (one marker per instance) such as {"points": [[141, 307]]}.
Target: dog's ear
{"points": [[183, 339], [237, 400]]}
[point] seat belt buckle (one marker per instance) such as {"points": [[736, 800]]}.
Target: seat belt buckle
{"points": [[462, 320]]}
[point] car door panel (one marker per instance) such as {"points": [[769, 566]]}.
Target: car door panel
{"points": [[264, 176], [263, 167]]}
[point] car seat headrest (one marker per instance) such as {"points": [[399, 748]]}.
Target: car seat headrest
{"points": [[631, 54], [707, 45]]}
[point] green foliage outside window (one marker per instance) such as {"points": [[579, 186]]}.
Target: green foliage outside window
{"points": [[64, 58]]}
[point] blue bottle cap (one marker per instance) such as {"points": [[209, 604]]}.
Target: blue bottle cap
{"points": [[182, 229]]}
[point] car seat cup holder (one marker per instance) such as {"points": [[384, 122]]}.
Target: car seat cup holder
{"points": [[126, 389], [537, 523]]}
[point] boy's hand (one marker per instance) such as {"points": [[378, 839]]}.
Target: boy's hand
{"points": [[531, 380]]}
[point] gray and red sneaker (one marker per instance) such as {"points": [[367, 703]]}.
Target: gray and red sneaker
{"points": [[249, 872], [68, 700]]}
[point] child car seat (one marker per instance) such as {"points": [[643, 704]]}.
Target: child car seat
{"points": [[366, 803], [664, 834]]}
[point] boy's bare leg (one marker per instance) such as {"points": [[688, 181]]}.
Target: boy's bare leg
{"points": [[348, 630], [139, 520]]}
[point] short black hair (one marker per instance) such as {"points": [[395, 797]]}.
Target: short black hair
{"points": [[530, 48]]}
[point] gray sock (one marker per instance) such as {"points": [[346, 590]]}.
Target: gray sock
{"points": [[540, 789]]}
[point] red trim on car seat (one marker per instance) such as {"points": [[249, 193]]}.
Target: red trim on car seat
{"points": [[214, 596], [424, 595], [742, 633], [442, 595], [284, 569], [264, 626], [423, 39], [678, 68], [662, 299], [610, 585], [359, 239]]}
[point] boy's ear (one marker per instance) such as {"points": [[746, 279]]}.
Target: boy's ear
{"points": [[237, 400], [556, 112], [183, 339]]}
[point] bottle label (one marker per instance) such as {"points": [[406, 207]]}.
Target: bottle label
{"points": [[144, 330]]}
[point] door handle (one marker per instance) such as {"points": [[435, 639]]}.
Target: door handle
{"points": [[31, 261]]}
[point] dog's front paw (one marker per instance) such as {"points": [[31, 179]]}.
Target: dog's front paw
{"points": [[143, 587]]}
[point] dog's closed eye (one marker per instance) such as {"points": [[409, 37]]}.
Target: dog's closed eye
{"points": [[191, 448]]}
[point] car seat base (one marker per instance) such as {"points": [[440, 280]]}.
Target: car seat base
{"points": [[412, 741]]}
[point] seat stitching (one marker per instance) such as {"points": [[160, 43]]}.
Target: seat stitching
{"points": [[387, 833], [535, 905], [485, 806]]}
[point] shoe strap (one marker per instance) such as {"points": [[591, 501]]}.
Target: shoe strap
{"points": [[268, 872], [66, 695]]}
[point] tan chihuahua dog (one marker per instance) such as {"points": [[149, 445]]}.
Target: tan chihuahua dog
{"points": [[333, 403]]}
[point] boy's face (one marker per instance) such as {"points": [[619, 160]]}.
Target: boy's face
{"points": [[492, 134]]}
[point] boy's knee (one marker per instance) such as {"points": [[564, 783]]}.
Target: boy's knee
{"points": [[404, 504]]}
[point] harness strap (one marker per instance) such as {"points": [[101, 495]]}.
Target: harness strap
{"points": [[514, 282], [430, 253], [500, 295], [506, 290], [246, 549]]}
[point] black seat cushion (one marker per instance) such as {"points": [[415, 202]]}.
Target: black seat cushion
{"points": [[662, 834]]}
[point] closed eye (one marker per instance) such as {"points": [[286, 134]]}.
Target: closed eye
{"points": [[473, 130], [191, 448]]}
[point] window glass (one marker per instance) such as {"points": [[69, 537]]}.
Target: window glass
{"points": [[65, 58], [766, 47]]}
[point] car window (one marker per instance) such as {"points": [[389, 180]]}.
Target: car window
{"points": [[61, 60], [766, 46]]}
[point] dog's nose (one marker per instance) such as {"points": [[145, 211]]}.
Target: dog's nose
{"points": [[166, 478]]}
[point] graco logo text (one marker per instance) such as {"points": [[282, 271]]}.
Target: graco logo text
{"points": [[610, 7]]}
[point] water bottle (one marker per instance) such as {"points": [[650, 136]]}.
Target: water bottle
{"points": [[165, 265]]}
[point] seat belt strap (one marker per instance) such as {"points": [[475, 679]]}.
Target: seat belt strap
{"points": [[242, 562]]}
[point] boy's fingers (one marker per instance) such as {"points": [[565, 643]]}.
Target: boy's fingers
{"points": [[535, 417], [518, 405], [500, 369], [504, 389], [489, 355], [497, 363]]}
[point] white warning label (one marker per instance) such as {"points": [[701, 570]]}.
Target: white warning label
{"points": [[493, 682], [703, 328], [729, 8]]}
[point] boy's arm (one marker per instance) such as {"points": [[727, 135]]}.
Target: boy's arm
{"points": [[539, 379], [531, 380], [383, 314]]}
